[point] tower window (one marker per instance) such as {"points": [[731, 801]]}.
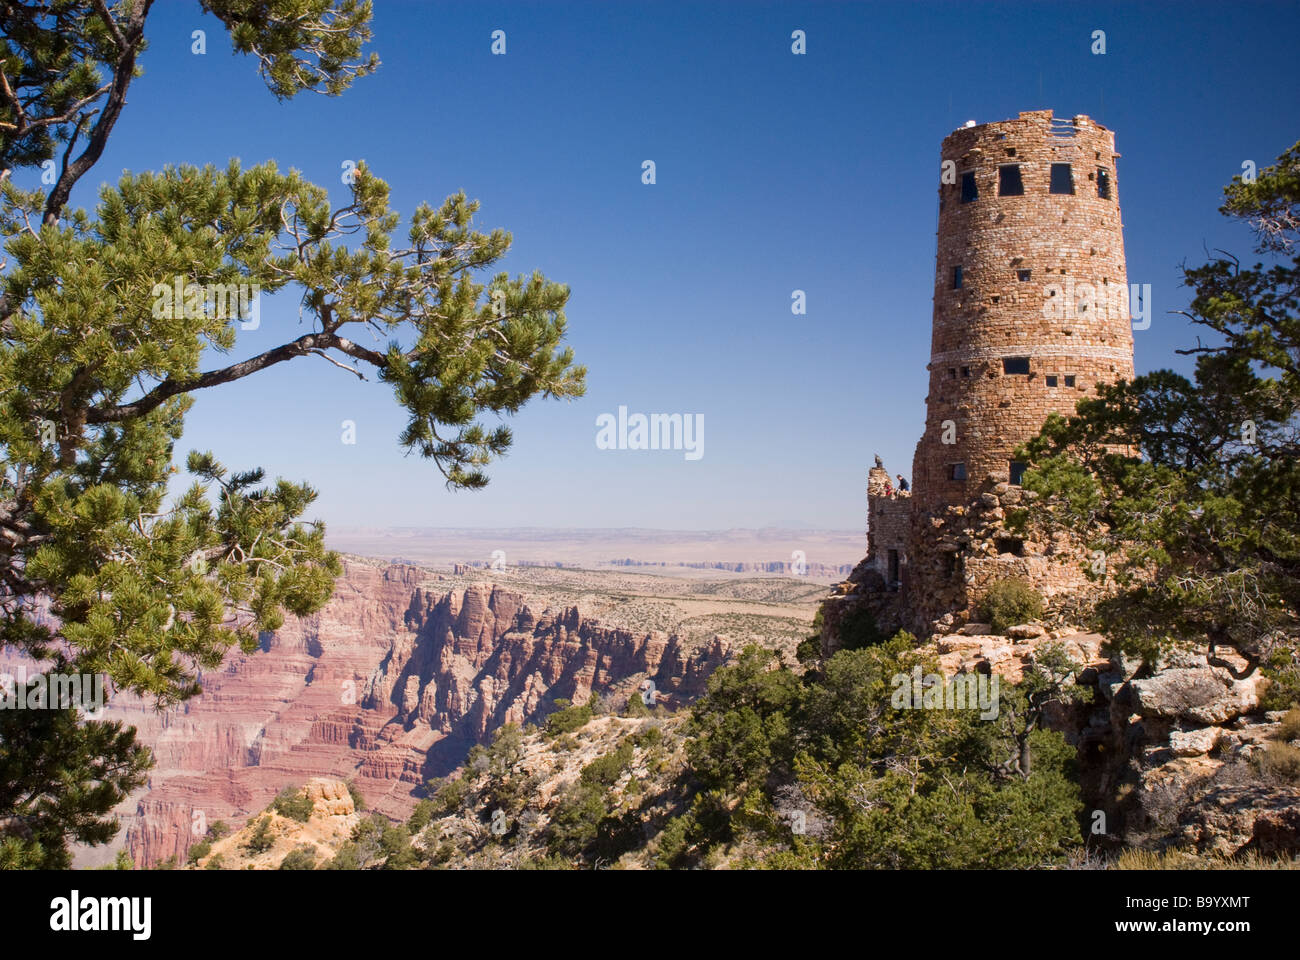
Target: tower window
{"points": [[1103, 183], [1062, 178], [952, 373], [1009, 182], [1023, 275], [956, 277], [965, 371], [1017, 472], [956, 471], [969, 192], [1050, 380], [1011, 365], [1069, 380]]}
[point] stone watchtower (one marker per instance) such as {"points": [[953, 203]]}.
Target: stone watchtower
{"points": [[1031, 312], [1032, 217]]}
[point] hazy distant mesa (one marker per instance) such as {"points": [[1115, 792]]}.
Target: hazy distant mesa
{"points": [[815, 554]]}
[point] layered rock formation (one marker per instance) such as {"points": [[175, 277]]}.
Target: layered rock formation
{"points": [[388, 686]]}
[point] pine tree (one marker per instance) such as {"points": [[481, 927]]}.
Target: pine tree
{"points": [[100, 358], [1189, 490]]}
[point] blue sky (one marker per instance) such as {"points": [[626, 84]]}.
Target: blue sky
{"points": [[775, 172]]}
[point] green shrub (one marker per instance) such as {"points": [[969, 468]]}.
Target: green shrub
{"points": [[301, 857], [649, 737], [420, 817], [358, 801], [857, 630], [809, 651], [606, 769], [1009, 602], [216, 863], [636, 707], [218, 830], [293, 804], [448, 796], [1289, 728], [569, 718], [576, 819], [199, 850], [673, 842], [260, 840]]}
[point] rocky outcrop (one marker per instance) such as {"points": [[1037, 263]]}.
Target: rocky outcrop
{"points": [[329, 824], [1167, 755]]}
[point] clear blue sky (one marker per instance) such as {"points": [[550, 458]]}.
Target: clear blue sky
{"points": [[775, 172]]}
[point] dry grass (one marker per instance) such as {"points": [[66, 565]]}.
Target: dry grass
{"points": [[1188, 860], [1289, 728]]}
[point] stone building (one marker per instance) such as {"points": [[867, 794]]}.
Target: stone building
{"points": [[1031, 312]]}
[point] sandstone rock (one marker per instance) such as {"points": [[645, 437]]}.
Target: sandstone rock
{"points": [[1191, 743], [1223, 819], [1277, 833], [329, 797], [1200, 694], [976, 630], [1025, 631], [959, 643]]}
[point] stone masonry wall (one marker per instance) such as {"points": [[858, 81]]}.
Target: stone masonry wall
{"points": [[1042, 283], [888, 519]]}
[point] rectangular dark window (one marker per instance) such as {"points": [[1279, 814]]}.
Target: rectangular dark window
{"points": [[952, 373], [1009, 182], [1103, 183], [1017, 472], [956, 277], [893, 566], [965, 371], [1023, 275], [1015, 364], [1062, 178], [956, 471], [1069, 380], [969, 191], [1051, 381]]}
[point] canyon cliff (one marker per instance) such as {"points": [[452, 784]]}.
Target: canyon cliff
{"points": [[388, 686]]}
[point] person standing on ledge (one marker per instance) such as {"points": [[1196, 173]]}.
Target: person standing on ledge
{"points": [[902, 483]]}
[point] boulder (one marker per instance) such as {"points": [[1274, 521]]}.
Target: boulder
{"points": [[1202, 695], [1193, 743], [1277, 833]]}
